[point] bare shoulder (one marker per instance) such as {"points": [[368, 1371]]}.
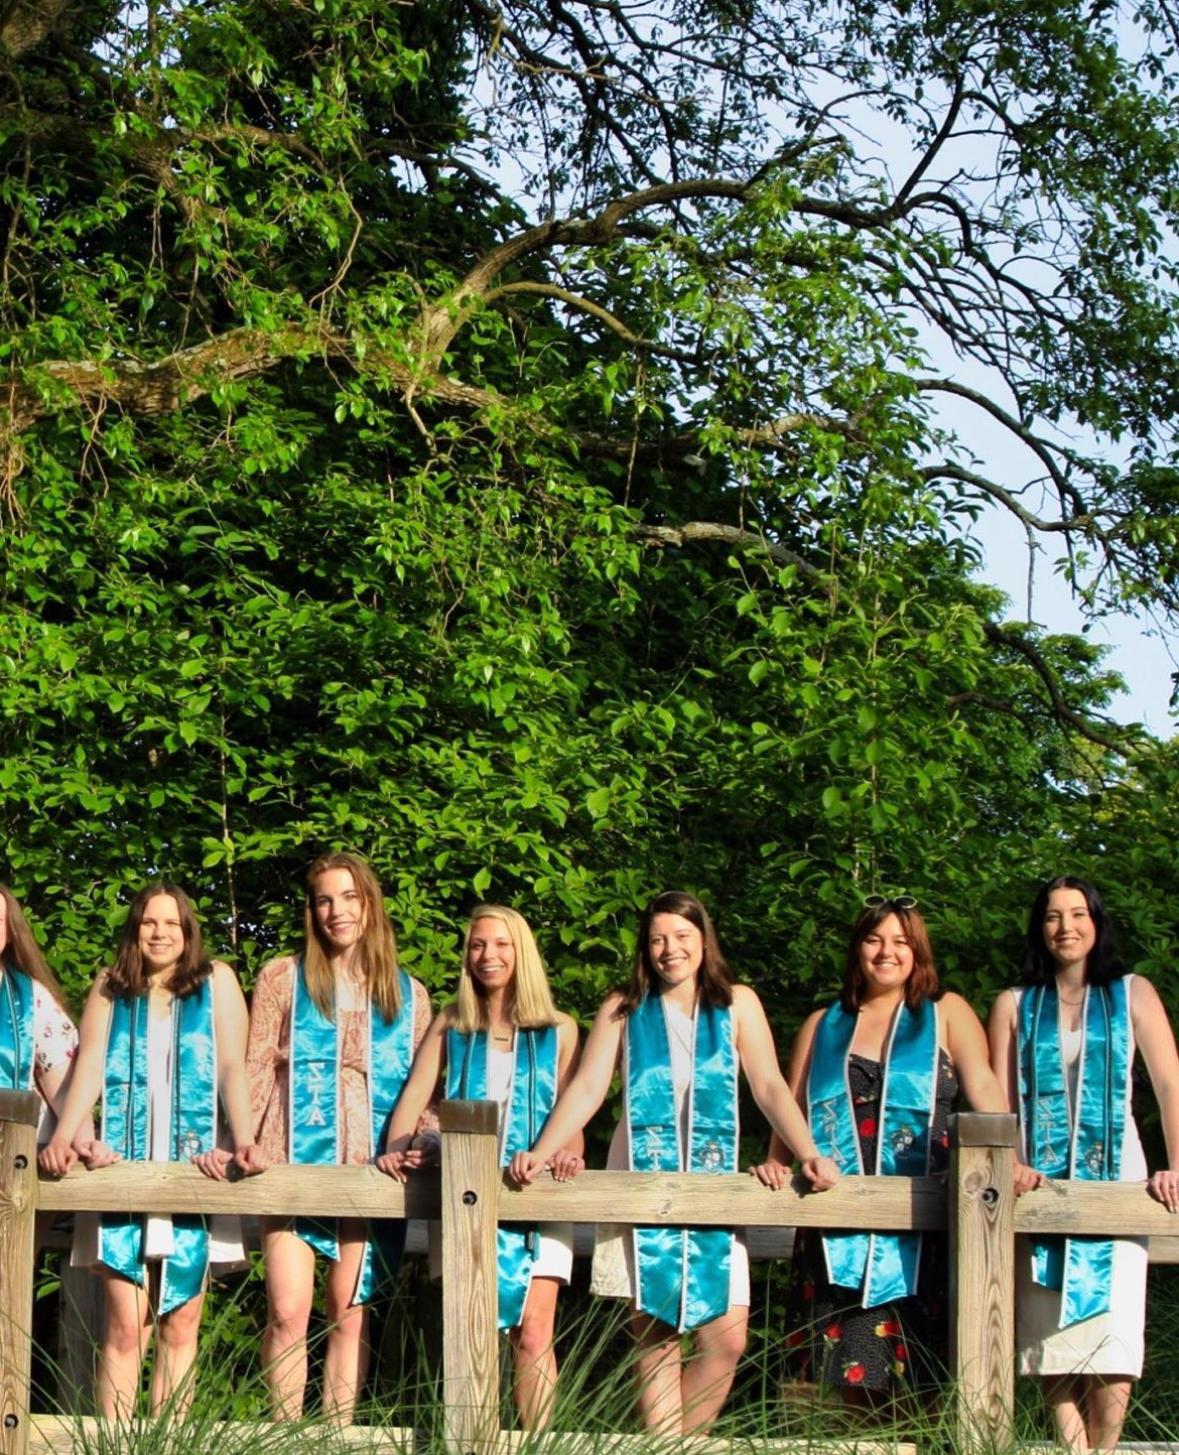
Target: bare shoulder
{"points": [[956, 1008], [1144, 998], [565, 1023]]}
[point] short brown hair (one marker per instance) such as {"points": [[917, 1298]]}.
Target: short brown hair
{"points": [[126, 979], [922, 984]]}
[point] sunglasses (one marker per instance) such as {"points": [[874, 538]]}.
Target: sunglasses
{"points": [[885, 901]]}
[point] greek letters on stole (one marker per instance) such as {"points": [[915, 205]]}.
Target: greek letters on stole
{"points": [[17, 1029], [883, 1266], [1083, 1142], [193, 1129], [316, 1125], [681, 1274], [531, 1097]]}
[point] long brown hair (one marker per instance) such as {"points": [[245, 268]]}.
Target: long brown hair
{"points": [[127, 979], [22, 952], [714, 984], [376, 953], [529, 999], [922, 984]]}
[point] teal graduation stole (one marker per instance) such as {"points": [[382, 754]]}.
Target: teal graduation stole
{"points": [[883, 1265], [1084, 1142], [681, 1274], [17, 1032], [315, 1123], [531, 1098], [193, 1129]]}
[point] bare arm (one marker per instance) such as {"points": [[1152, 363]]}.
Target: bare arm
{"points": [[567, 1161], [759, 1061], [966, 1041], [1156, 1041], [416, 1095], [582, 1097], [231, 1023], [1002, 1042], [85, 1085], [775, 1170]]}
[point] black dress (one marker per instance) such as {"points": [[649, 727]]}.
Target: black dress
{"points": [[894, 1346]]}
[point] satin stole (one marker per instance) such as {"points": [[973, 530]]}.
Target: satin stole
{"points": [[1082, 1142], [882, 1266], [18, 1043], [531, 1097], [681, 1274], [316, 1127], [193, 1129]]}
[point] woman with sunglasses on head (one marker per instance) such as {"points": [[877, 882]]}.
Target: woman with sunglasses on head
{"points": [[504, 1041], [333, 1031], [163, 1041], [38, 1040], [879, 1073], [681, 1033], [1063, 1046]]}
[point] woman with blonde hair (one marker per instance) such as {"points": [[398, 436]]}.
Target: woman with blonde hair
{"points": [[503, 1040], [38, 1040], [333, 1032], [163, 1041]]}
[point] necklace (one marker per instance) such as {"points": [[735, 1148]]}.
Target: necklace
{"points": [[1064, 1000]]}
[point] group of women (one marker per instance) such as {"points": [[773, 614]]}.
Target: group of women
{"points": [[339, 1060]]}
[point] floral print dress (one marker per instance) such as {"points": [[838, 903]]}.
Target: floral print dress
{"points": [[895, 1346]]}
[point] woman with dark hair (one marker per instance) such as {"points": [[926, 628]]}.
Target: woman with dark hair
{"points": [[333, 1032], [1063, 1044], [681, 1031], [503, 1040], [163, 1042], [879, 1073], [38, 1040]]}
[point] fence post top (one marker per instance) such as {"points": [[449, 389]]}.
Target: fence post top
{"points": [[982, 1129], [20, 1106], [469, 1116]]}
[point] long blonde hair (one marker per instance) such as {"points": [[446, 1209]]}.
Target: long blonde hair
{"points": [[529, 999], [376, 952]]}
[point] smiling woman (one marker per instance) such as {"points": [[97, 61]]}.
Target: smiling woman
{"points": [[333, 1031]]}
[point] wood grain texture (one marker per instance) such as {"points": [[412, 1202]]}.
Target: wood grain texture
{"points": [[1121, 1209], [18, 1207], [470, 1349], [982, 1292]]}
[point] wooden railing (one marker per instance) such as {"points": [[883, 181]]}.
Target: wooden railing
{"points": [[470, 1195]]}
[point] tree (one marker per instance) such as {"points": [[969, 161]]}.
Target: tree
{"points": [[501, 440]]}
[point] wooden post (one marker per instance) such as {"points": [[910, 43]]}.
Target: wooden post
{"points": [[470, 1290], [19, 1114], [982, 1273]]}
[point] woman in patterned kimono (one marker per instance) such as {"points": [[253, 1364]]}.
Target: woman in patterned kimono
{"points": [[681, 1032], [879, 1073], [38, 1040], [1063, 1044], [504, 1041], [163, 1041], [332, 1036]]}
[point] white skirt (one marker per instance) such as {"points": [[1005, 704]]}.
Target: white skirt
{"points": [[613, 1273]]}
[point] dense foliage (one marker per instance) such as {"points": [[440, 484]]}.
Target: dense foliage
{"points": [[504, 441]]}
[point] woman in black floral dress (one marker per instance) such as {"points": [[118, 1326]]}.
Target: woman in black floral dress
{"points": [[867, 1313]]}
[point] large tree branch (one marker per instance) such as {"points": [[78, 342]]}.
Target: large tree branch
{"points": [[25, 23]]}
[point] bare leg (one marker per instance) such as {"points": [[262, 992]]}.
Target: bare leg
{"points": [[1107, 1397], [124, 1343], [708, 1375], [345, 1362], [533, 1355], [172, 1381], [1065, 1400], [658, 1368], [290, 1284]]}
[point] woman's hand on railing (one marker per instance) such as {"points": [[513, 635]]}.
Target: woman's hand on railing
{"points": [[771, 1173], [250, 1159], [1027, 1179], [820, 1172], [1164, 1187], [525, 1167], [214, 1164], [565, 1165], [56, 1157], [96, 1154]]}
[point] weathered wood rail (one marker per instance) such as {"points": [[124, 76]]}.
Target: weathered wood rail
{"points": [[975, 1204]]}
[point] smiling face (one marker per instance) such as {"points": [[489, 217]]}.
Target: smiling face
{"points": [[675, 947], [1069, 931], [161, 934], [885, 958], [339, 909], [491, 955]]}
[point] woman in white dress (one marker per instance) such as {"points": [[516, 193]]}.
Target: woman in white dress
{"points": [[680, 1032], [163, 1042], [503, 1040], [1062, 1047]]}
